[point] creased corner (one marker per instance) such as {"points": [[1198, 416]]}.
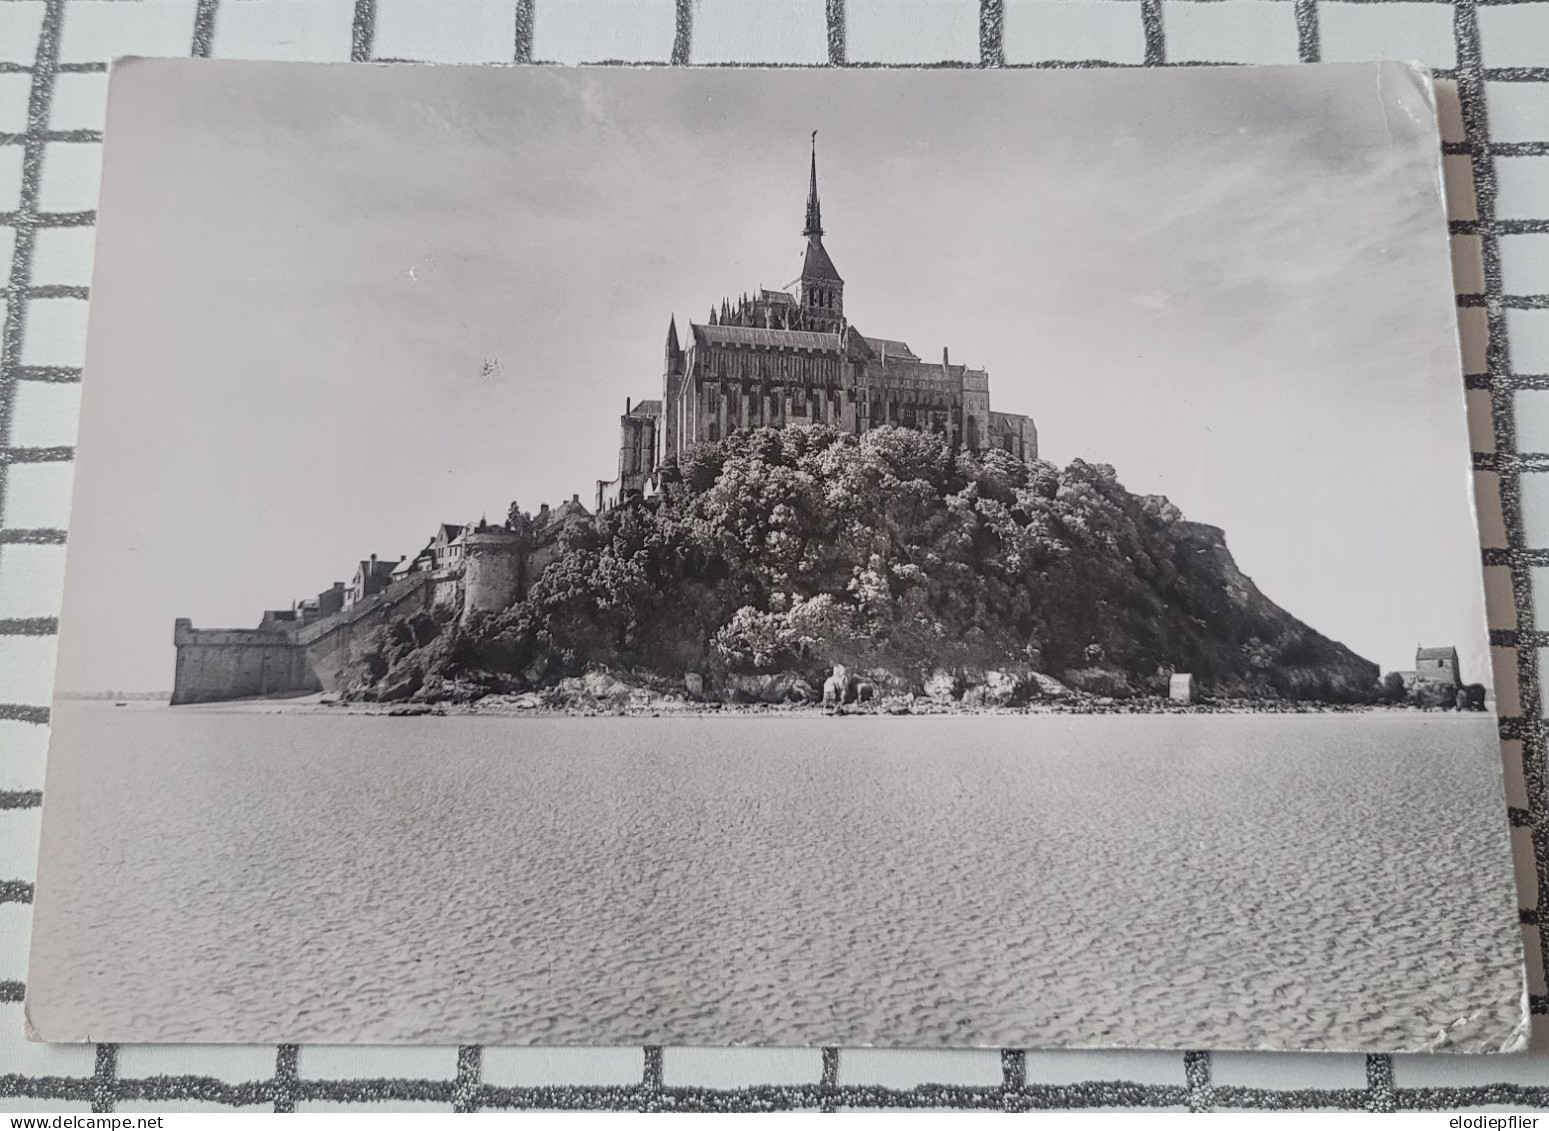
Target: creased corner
{"points": [[1521, 1033]]}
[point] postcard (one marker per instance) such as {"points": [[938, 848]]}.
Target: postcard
{"points": [[664, 556]]}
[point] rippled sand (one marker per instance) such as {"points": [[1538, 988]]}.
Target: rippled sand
{"points": [[1319, 882]]}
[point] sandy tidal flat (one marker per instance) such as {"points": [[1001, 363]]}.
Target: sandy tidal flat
{"points": [[1315, 882]]}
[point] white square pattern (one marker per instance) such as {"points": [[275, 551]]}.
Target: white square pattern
{"points": [[447, 31], [760, 31], [45, 413], [1041, 31], [37, 496], [313, 31], [61, 257], [80, 101], [15, 90], [1519, 111], [604, 31], [32, 579], [1408, 32], [55, 332], [71, 173], [20, 24], [740, 1068], [1513, 44], [1230, 31], [103, 31], [912, 31], [1514, 35], [23, 746], [1525, 263]]}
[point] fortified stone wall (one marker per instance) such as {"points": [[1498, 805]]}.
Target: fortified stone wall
{"points": [[215, 664], [290, 658], [539, 558], [332, 645], [492, 571], [448, 591]]}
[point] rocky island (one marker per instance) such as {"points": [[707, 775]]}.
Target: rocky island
{"points": [[768, 558], [806, 513]]}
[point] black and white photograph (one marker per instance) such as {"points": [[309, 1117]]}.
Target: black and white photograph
{"points": [[766, 556]]}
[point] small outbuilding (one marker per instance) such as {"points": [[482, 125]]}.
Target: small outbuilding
{"points": [[1438, 666], [1180, 689]]}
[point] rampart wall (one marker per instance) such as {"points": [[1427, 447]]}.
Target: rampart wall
{"points": [[492, 572], [238, 663], [214, 664], [332, 644], [228, 663]]}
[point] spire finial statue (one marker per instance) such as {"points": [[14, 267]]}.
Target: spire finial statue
{"points": [[814, 211]]}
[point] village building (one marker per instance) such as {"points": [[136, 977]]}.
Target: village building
{"points": [[775, 358], [1438, 666], [406, 566], [331, 600], [445, 548], [371, 577]]}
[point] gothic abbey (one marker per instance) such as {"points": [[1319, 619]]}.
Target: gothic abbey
{"points": [[778, 358]]}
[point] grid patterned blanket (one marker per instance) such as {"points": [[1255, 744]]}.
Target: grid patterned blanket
{"points": [[53, 63]]}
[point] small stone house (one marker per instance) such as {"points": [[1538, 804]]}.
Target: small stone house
{"points": [[1438, 666]]}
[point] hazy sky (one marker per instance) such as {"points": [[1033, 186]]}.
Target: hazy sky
{"points": [[1231, 284]]}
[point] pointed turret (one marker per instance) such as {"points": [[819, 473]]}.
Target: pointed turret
{"points": [[712, 316], [674, 352]]}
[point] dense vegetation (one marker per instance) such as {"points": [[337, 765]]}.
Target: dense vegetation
{"points": [[786, 551]]}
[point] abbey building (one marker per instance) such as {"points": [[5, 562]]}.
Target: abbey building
{"points": [[777, 358]]}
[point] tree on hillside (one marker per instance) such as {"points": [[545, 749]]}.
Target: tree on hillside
{"points": [[787, 550]]}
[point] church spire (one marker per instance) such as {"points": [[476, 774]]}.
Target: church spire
{"points": [[822, 290], [814, 210]]}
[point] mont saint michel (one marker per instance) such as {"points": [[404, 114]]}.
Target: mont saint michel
{"points": [[780, 381], [774, 358], [1031, 600], [770, 360]]}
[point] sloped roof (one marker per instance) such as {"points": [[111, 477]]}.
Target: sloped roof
{"points": [[816, 264], [777, 297], [759, 336], [1448, 653], [646, 408], [894, 348]]}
